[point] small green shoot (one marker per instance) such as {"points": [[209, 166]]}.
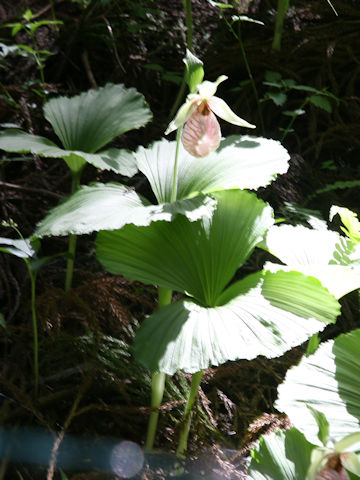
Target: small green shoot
{"points": [[30, 26]]}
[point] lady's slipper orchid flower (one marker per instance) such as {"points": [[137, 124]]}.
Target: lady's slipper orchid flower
{"points": [[333, 463], [201, 134]]}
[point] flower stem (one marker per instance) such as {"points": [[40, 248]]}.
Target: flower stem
{"points": [[175, 175], [184, 433]]}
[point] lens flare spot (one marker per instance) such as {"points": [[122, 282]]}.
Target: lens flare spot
{"points": [[127, 459]]}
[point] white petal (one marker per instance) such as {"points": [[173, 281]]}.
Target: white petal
{"points": [[351, 462], [222, 110], [184, 113], [207, 89]]}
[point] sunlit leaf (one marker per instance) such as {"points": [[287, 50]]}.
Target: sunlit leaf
{"points": [[186, 336], [321, 253], [195, 257], [329, 382], [349, 219], [111, 206], [88, 121], [119, 161], [240, 162]]}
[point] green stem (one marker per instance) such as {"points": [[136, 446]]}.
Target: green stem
{"points": [[175, 176], [157, 383], [282, 8], [189, 44], [72, 238], [70, 262], [184, 433], [35, 328], [157, 392]]}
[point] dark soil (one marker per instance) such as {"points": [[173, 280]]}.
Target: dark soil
{"points": [[92, 393]]}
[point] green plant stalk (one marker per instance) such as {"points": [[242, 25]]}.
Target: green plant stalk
{"points": [[238, 37], [37, 57], [184, 433], [175, 176], [165, 295], [72, 238], [35, 328], [282, 8], [189, 44], [157, 392], [157, 383]]}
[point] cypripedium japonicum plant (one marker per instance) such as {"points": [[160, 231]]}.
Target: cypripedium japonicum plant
{"points": [[334, 463], [201, 134]]}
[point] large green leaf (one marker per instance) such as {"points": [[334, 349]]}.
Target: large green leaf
{"points": [[120, 161], [111, 206], [186, 336], [200, 257], [88, 121], [240, 162], [328, 381], [281, 456], [324, 254]]}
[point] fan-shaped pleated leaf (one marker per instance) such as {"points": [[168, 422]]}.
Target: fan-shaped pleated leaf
{"points": [[120, 161], [88, 121], [195, 257], [281, 456], [322, 253], [328, 381], [111, 206], [240, 162], [189, 337]]}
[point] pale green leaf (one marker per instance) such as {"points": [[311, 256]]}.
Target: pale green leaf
{"points": [[349, 219], [186, 336], [119, 161], [240, 162], [111, 206], [281, 456], [321, 253], [329, 382], [195, 257], [88, 121], [323, 424]]}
